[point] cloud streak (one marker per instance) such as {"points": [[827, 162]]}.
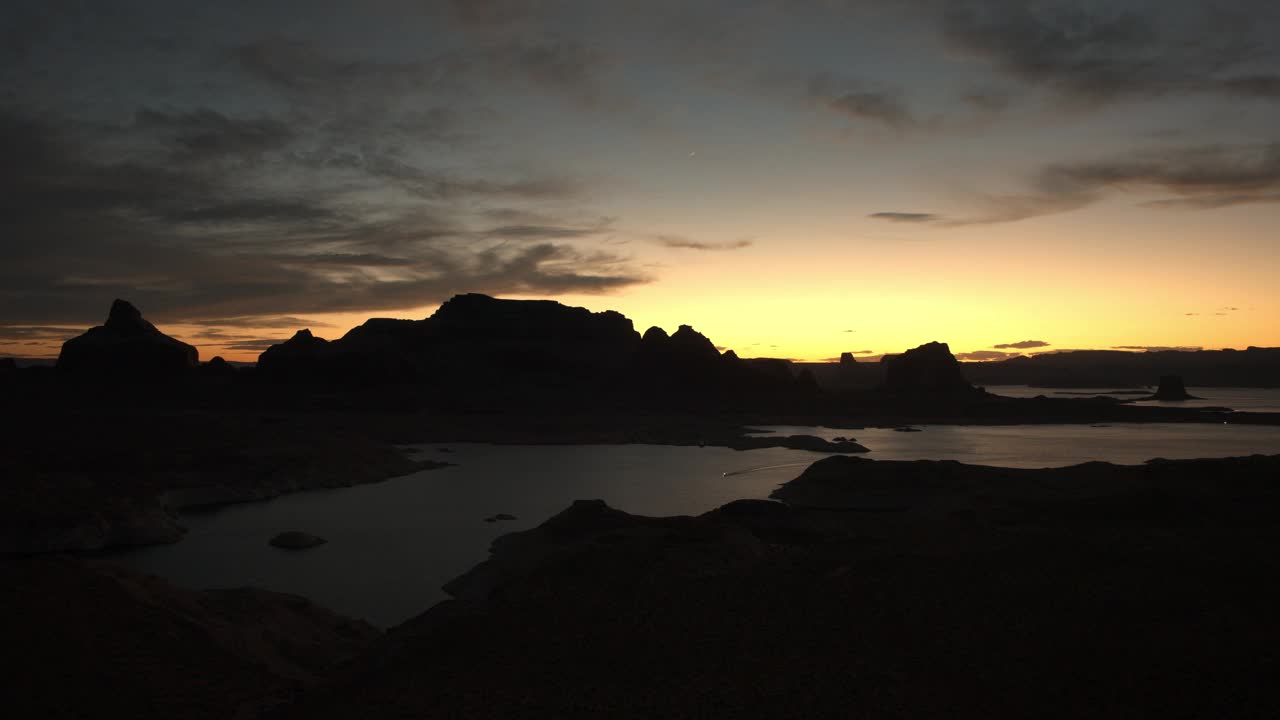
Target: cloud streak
{"points": [[985, 356], [682, 243], [906, 217], [1021, 345]]}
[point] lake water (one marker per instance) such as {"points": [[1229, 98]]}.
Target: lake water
{"points": [[1243, 399], [393, 544]]}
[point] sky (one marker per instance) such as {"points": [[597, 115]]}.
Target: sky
{"points": [[793, 179]]}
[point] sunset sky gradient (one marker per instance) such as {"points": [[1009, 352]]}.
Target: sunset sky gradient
{"points": [[794, 179]]}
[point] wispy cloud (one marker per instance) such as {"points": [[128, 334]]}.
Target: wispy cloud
{"points": [[857, 101], [1021, 345], [683, 243], [906, 217], [985, 355]]}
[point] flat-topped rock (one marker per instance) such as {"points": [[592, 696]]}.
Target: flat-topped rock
{"points": [[1172, 388], [927, 369]]}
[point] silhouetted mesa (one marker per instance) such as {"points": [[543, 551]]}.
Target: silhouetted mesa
{"points": [[505, 352], [1172, 388], [1252, 367], [127, 345], [930, 369]]}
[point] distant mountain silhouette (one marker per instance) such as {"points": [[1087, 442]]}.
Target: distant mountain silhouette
{"points": [[507, 350], [467, 333], [127, 345], [1254, 367]]}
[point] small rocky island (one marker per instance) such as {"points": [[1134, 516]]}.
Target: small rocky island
{"points": [[1172, 389]]}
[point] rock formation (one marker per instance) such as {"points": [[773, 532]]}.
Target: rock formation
{"points": [[930, 369], [471, 337], [217, 366], [299, 353], [1172, 388], [479, 350], [127, 345], [1253, 367]]}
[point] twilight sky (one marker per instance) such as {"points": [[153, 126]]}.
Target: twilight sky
{"points": [[794, 179]]}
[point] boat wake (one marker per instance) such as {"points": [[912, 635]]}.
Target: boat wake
{"points": [[731, 473]]}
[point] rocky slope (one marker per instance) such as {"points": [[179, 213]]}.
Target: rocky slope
{"points": [[84, 639]]}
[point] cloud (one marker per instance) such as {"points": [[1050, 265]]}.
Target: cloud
{"points": [[311, 72], [87, 217], [258, 322], [1098, 53], [203, 132], [1022, 345], [985, 355], [1208, 176], [856, 101], [683, 243], [1157, 348], [257, 345], [1200, 177], [547, 232], [37, 333], [906, 217]]}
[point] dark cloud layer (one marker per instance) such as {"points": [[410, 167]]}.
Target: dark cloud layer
{"points": [[1195, 177], [203, 239], [1093, 53]]}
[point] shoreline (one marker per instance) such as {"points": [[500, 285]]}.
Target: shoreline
{"points": [[900, 566], [125, 485], [854, 571]]}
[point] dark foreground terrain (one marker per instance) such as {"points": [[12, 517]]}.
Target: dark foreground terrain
{"points": [[86, 639], [882, 590], [872, 589]]}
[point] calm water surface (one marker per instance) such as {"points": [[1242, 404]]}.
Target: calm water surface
{"points": [[1242, 399], [393, 544]]}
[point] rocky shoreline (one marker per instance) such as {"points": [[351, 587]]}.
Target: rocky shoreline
{"points": [[872, 588], [118, 479], [912, 589], [110, 479]]}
